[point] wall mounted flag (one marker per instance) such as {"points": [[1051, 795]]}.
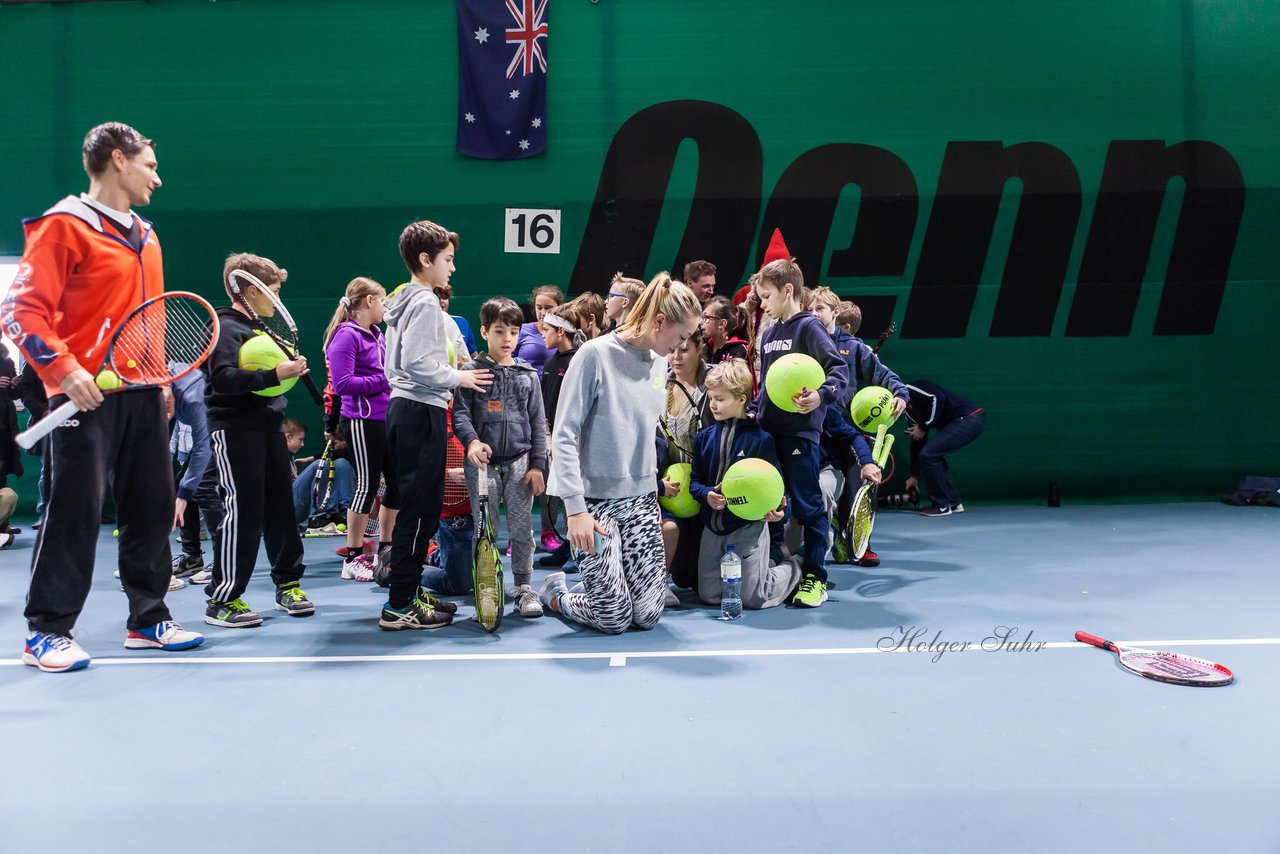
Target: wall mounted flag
{"points": [[502, 78]]}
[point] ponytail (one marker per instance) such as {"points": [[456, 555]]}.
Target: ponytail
{"points": [[359, 289], [665, 296]]}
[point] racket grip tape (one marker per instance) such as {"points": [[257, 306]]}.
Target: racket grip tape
{"points": [[1094, 640], [46, 425], [875, 446], [884, 451]]}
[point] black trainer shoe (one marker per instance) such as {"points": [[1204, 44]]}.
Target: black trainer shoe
{"points": [[419, 614], [185, 565], [937, 510], [291, 600], [233, 615]]}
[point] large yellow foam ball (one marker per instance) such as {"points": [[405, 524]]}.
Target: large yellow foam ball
{"points": [[791, 374], [260, 353], [752, 488], [682, 505]]}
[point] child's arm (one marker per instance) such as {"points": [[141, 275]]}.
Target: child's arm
{"points": [[535, 477], [424, 334], [871, 366], [822, 347], [463, 426], [228, 378]]}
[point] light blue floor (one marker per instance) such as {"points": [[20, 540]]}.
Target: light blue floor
{"points": [[844, 749]]}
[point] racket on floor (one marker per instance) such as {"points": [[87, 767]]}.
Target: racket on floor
{"points": [[486, 568], [1172, 667], [862, 516], [160, 341], [269, 315]]}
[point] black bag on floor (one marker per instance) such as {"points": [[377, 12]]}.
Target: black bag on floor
{"points": [[1255, 490]]}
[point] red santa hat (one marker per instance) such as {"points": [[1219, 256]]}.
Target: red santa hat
{"points": [[777, 251]]}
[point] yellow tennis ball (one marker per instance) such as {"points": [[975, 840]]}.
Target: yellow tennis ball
{"points": [[108, 380], [132, 363], [789, 375], [872, 407]]}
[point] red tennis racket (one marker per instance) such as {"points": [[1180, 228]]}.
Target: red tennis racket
{"points": [[160, 341], [1172, 667]]}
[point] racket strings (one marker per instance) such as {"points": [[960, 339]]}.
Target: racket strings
{"points": [[161, 339]]}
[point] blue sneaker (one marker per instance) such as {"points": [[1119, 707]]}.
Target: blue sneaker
{"points": [[54, 653], [167, 635]]}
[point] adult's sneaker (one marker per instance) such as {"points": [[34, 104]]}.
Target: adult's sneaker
{"points": [[358, 568], [527, 603], [166, 635], [553, 587], [382, 566], [54, 653], [551, 541], [185, 565], [204, 576], [937, 510], [812, 592], [957, 508], [291, 600], [235, 614], [418, 614]]}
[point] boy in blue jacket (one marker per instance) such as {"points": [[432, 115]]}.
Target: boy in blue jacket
{"points": [[735, 437], [780, 285]]}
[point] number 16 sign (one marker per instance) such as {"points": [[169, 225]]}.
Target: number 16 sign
{"points": [[532, 230]]}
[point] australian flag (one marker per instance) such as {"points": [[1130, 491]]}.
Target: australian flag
{"points": [[502, 78]]}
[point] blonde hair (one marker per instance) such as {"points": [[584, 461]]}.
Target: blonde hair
{"points": [[665, 296], [263, 269], [733, 376], [358, 291], [827, 297], [629, 288]]}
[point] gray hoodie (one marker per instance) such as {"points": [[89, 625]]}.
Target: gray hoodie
{"points": [[418, 332]]}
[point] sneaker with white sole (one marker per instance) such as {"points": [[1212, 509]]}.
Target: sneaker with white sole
{"points": [[294, 602], [54, 653], [957, 508], [204, 576], [166, 635], [185, 565], [527, 603], [176, 583], [553, 587], [418, 614], [358, 568], [235, 614], [937, 510]]}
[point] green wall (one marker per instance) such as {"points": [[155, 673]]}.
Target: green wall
{"points": [[313, 131]]}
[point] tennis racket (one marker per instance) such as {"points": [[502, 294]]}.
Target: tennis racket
{"points": [[162, 340], [486, 569], [862, 516], [322, 483], [271, 317], [455, 478], [1172, 667]]}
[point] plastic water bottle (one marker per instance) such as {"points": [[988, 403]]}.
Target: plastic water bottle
{"points": [[730, 585]]}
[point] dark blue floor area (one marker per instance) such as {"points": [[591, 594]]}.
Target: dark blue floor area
{"points": [[785, 731]]}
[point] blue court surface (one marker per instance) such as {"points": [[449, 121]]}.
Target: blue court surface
{"points": [[790, 730]]}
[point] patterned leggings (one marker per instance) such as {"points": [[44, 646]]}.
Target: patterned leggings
{"points": [[626, 581]]}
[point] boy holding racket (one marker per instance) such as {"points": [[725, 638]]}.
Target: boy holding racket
{"points": [[780, 285], [88, 262], [504, 430], [255, 469], [422, 382]]}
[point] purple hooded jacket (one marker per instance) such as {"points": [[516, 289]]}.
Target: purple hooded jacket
{"points": [[355, 358]]}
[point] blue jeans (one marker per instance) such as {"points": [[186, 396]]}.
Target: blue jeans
{"points": [[938, 486], [448, 569], [339, 499]]}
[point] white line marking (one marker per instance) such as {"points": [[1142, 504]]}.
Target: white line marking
{"points": [[197, 658]]}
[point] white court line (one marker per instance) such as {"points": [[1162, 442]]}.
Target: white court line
{"points": [[619, 659]]}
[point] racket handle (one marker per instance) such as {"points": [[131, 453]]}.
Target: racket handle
{"points": [[483, 482], [884, 451], [311, 387], [46, 425], [1094, 640], [879, 442]]}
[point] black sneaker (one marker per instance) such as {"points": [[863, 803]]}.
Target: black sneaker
{"points": [[436, 602], [557, 558], [232, 615], [382, 567], [291, 600], [937, 510], [868, 559], [419, 614], [185, 565]]}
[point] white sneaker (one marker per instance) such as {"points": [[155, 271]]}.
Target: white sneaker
{"points": [[527, 602], [54, 653], [553, 587], [358, 568], [176, 583], [204, 576], [167, 635], [957, 508]]}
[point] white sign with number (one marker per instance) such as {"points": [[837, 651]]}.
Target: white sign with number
{"points": [[532, 230]]}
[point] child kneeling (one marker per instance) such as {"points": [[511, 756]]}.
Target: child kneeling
{"points": [[735, 437]]}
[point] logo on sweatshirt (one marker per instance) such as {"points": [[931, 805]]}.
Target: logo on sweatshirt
{"points": [[495, 405], [796, 452], [781, 344]]}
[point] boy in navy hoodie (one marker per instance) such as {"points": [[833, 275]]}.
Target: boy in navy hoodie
{"points": [[735, 437], [779, 285]]}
